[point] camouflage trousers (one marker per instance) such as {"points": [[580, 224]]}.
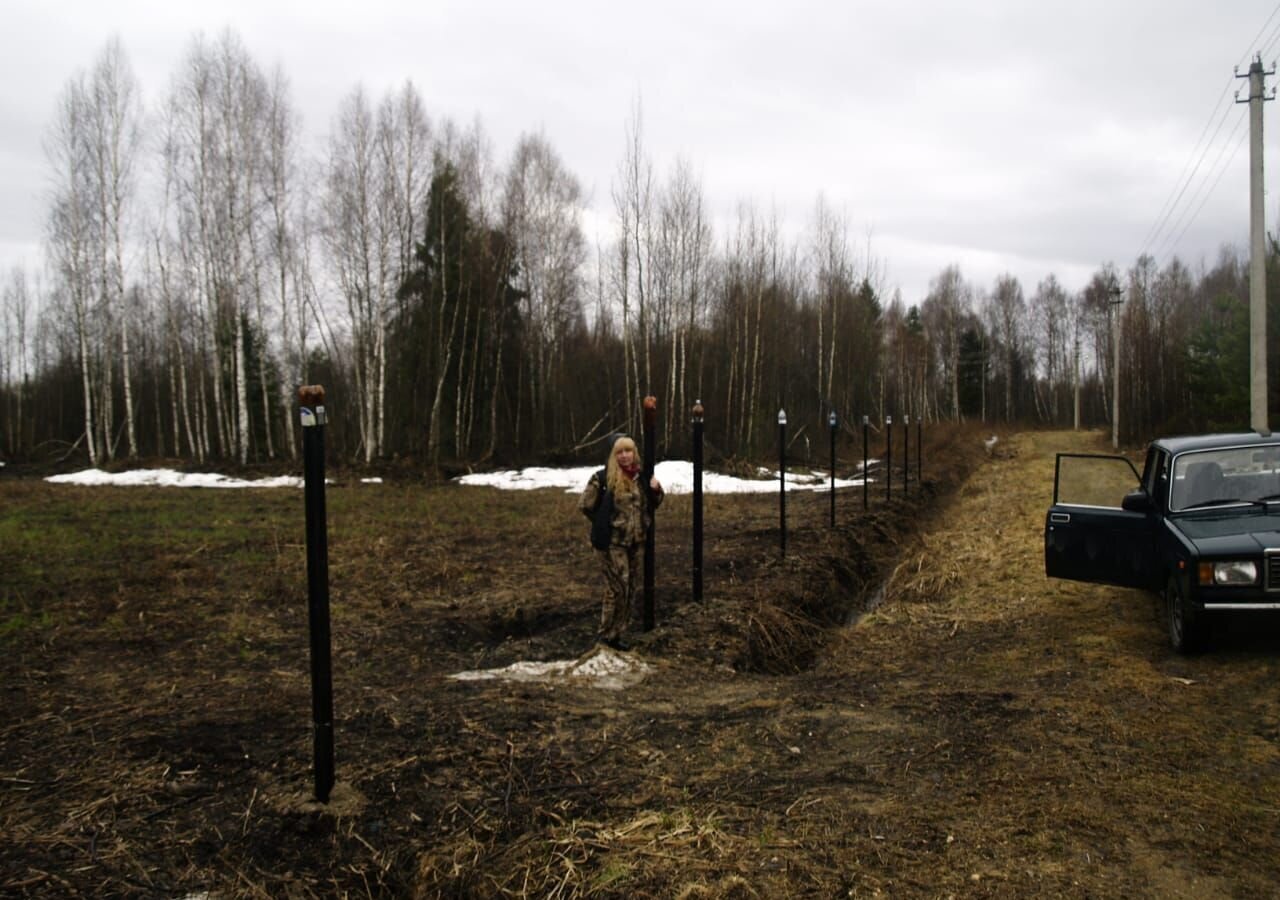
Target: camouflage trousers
{"points": [[621, 567]]}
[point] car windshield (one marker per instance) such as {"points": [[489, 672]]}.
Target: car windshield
{"points": [[1226, 475]]}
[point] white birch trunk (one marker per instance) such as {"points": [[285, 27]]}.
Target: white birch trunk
{"points": [[242, 393]]}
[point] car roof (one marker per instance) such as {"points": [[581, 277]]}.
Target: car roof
{"points": [[1184, 443]]}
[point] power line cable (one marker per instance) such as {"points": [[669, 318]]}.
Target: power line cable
{"points": [[1274, 33], [1269, 48], [1185, 180], [1214, 171], [1190, 170], [1221, 171]]}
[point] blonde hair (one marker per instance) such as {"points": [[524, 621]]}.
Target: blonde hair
{"points": [[618, 481]]}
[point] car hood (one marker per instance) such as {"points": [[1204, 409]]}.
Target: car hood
{"points": [[1231, 534]]}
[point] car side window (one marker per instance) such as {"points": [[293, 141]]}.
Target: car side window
{"points": [[1088, 479]]}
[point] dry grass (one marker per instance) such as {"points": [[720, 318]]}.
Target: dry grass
{"points": [[923, 578], [983, 732], [780, 641]]}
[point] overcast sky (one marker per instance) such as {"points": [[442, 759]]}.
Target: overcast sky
{"points": [[1021, 137]]}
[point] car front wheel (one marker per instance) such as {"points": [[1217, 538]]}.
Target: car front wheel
{"points": [[1186, 630]]}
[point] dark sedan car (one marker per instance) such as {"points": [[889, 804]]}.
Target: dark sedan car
{"points": [[1200, 526]]}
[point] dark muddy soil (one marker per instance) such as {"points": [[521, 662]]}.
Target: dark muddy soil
{"points": [[981, 732]]}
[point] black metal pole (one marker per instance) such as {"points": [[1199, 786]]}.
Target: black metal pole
{"points": [[311, 401], [865, 480], [888, 457], [831, 421], [697, 500], [650, 452], [782, 479], [919, 451], [906, 456]]}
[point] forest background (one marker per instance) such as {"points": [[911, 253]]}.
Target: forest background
{"points": [[200, 265]]}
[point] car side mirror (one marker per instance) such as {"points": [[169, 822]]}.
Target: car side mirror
{"points": [[1137, 501]]}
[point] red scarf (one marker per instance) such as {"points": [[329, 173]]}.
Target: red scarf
{"points": [[630, 471]]}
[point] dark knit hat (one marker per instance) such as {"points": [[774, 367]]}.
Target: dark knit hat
{"points": [[613, 440]]}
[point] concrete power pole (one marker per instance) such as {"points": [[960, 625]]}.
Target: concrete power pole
{"points": [[1115, 294], [1076, 417], [1257, 249]]}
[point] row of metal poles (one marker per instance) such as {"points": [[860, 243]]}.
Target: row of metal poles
{"points": [[833, 423], [311, 402]]}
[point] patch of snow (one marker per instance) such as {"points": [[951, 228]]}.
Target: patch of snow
{"points": [[532, 478], [600, 667], [169, 478], [676, 477]]}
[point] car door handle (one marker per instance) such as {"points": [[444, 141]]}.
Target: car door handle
{"points": [[1060, 518]]}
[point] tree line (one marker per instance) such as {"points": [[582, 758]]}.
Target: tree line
{"points": [[201, 264]]}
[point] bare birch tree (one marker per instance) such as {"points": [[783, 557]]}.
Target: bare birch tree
{"points": [[1051, 315], [751, 265], [541, 212], [944, 308], [406, 151], [633, 206], [831, 277], [359, 248], [681, 271], [378, 177], [71, 233], [114, 117], [218, 112], [15, 314], [1008, 309], [281, 185]]}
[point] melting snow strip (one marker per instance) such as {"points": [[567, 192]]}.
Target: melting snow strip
{"points": [[600, 666]]}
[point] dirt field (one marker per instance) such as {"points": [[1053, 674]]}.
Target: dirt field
{"points": [[982, 732]]}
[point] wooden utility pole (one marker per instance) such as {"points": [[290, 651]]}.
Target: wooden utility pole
{"points": [[1257, 249]]}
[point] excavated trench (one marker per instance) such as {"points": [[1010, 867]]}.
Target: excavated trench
{"points": [[833, 587]]}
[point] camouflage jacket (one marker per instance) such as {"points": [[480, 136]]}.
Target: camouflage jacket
{"points": [[631, 513]]}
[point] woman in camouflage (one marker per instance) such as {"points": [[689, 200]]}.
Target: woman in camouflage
{"points": [[620, 510]]}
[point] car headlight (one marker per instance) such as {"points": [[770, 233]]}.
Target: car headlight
{"points": [[1231, 572]]}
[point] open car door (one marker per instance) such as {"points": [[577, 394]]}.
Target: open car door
{"points": [[1088, 536]]}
